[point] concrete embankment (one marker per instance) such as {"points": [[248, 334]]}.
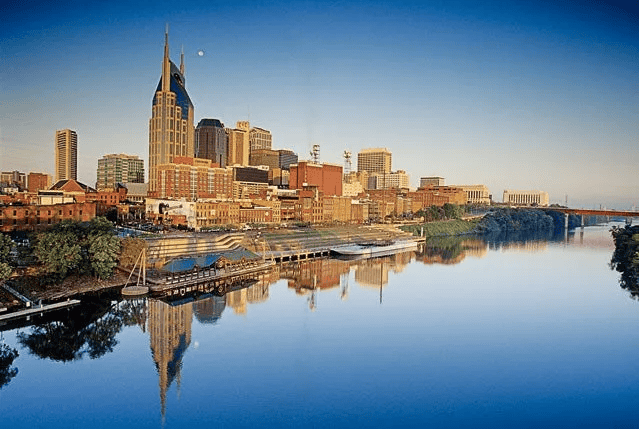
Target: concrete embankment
{"points": [[276, 244]]}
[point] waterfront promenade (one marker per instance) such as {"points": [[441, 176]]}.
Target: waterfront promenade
{"points": [[269, 246]]}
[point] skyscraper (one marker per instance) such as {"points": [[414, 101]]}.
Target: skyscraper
{"points": [[374, 161], [211, 141], [66, 155], [238, 144], [171, 131]]}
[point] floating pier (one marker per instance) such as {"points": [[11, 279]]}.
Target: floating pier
{"points": [[38, 310]]}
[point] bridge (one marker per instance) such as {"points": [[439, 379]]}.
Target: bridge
{"points": [[593, 212]]}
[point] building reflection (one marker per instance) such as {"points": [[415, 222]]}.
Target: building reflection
{"points": [[239, 299], [169, 325], [209, 310], [372, 272], [450, 250], [170, 331], [304, 276]]}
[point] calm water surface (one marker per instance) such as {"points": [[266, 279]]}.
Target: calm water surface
{"points": [[463, 333]]}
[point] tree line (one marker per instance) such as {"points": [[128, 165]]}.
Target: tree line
{"points": [[625, 258], [70, 247]]}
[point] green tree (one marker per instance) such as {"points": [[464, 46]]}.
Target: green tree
{"points": [[5, 256], [102, 251], [5, 248], [59, 252], [101, 247], [87, 248], [453, 211]]}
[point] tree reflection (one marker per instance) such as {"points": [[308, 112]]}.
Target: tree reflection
{"points": [[7, 356], [90, 330]]}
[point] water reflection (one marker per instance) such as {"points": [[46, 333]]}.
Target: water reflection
{"points": [[7, 372], [450, 250], [209, 310], [90, 330], [170, 335]]}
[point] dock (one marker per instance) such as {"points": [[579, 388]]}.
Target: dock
{"points": [[38, 310], [207, 280]]}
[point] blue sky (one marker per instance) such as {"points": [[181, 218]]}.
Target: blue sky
{"points": [[513, 95]]}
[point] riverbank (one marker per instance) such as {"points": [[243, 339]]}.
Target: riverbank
{"points": [[259, 242], [443, 228]]}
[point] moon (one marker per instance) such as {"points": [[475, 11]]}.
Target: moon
{"points": [[200, 53]]}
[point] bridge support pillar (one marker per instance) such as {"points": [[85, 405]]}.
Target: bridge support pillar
{"points": [[566, 221], [582, 221]]}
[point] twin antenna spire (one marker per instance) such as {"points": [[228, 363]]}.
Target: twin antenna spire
{"points": [[166, 49]]}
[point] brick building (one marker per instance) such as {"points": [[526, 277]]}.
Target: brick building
{"points": [[34, 217], [193, 178], [326, 177]]}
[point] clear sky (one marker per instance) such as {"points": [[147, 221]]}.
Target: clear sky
{"points": [[511, 94]]}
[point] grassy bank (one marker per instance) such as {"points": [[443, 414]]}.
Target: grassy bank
{"points": [[442, 228]]}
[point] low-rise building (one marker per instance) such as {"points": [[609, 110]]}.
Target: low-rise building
{"points": [[38, 182], [431, 181], [475, 194], [337, 209], [526, 198], [436, 196], [171, 212], [397, 179], [34, 217]]}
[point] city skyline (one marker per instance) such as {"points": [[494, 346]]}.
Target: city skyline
{"points": [[513, 96]]}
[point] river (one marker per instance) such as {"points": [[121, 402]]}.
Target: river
{"points": [[513, 332]]}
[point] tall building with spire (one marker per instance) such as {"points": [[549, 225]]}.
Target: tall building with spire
{"points": [[171, 131], [66, 155]]}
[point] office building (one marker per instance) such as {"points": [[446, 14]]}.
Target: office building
{"points": [[38, 182], [119, 168], [526, 198], [14, 178], [171, 131], [259, 139], [431, 181], [211, 141], [476, 194], [287, 157], [250, 174], [374, 161], [192, 179], [237, 152], [66, 155], [397, 179], [326, 177], [268, 157]]}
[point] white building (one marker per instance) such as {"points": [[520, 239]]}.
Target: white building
{"points": [[526, 198], [397, 179], [475, 194]]}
